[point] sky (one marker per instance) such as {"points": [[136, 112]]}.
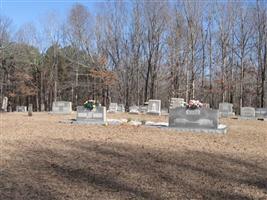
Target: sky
{"points": [[33, 11]]}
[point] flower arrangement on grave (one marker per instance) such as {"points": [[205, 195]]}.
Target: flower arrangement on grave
{"points": [[194, 104], [90, 105]]}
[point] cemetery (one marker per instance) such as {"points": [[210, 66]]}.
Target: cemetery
{"points": [[133, 100], [129, 155]]}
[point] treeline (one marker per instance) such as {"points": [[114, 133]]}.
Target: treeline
{"points": [[132, 52]]}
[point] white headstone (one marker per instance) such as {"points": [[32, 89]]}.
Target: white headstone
{"points": [[177, 103], [121, 108], [62, 107], [247, 112], [95, 116], [154, 107], [134, 110], [113, 107], [5, 103], [226, 110], [21, 108], [42, 107], [143, 109]]}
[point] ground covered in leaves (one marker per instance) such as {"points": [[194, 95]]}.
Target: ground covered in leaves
{"points": [[44, 159]]}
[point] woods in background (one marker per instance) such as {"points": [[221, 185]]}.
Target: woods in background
{"points": [[132, 52]]}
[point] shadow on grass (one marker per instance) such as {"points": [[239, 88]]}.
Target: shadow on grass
{"points": [[122, 171]]}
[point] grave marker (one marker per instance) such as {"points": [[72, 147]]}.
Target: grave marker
{"points": [[203, 119], [96, 116], [143, 109], [113, 107], [4, 104], [42, 107], [261, 112], [177, 102], [121, 108], [154, 107], [62, 107], [226, 109], [21, 108], [247, 113], [134, 110], [30, 108]]}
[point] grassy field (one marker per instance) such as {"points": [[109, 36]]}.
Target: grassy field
{"points": [[44, 159]]}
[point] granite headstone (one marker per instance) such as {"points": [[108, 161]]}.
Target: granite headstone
{"points": [[226, 109], [113, 107], [62, 107], [154, 107], [95, 116], [21, 108], [247, 113], [4, 104]]}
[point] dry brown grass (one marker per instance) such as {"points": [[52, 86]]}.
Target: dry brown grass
{"points": [[44, 159]]}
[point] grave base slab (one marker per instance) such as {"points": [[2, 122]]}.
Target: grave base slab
{"points": [[222, 129], [90, 122]]}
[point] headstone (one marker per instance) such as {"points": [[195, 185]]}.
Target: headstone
{"points": [[42, 107], [95, 116], [203, 119], [143, 109], [226, 110], [247, 113], [21, 108], [176, 103], [113, 107], [121, 108], [134, 110], [30, 108], [4, 104], [62, 107], [154, 107], [261, 112]]}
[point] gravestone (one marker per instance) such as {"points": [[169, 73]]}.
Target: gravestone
{"points": [[203, 119], [121, 108], [113, 107], [261, 112], [134, 110], [247, 113], [30, 109], [226, 110], [62, 107], [96, 116], [42, 107], [4, 104], [21, 108], [143, 108], [154, 107], [176, 103]]}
